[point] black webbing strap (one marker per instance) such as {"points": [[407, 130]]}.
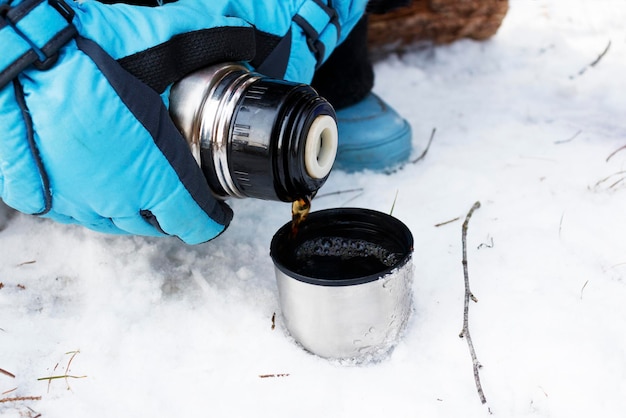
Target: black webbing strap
{"points": [[166, 63], [163, 64]]}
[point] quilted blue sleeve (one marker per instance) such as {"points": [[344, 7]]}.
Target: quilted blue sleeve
{"points": [[85, 135]]}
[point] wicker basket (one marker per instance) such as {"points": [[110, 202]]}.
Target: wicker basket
{"points": [[435, 21]]}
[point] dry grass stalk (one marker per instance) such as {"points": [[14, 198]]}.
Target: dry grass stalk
{"points": [[430, 141], [66, 375]]}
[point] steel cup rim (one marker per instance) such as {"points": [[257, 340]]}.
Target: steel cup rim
{"points": [[338, 219]]}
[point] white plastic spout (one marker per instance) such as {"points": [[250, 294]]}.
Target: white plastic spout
{"points": [[320, 149]]}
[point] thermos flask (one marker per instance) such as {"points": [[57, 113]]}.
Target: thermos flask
{"points": [[255, 136]]}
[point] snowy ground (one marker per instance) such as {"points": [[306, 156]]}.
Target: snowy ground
{"points": [[167, 330]]}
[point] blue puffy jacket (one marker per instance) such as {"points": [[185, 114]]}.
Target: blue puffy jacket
{"points": [[85, 135]]}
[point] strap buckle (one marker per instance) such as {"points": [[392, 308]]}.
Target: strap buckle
{"points": [[68, 14], [24, 28], [314, 17]]}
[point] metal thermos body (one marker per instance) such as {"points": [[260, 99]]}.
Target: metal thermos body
{"points": [[255, 136], [345, 282]]}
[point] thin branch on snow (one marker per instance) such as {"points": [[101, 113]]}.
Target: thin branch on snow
{"points": [[469, 295], [31, 412], [595, 62], [357, 195], [430, 141], [351, 199], [623, 147], [611, 177], [563, 141], [583, 289], [20, 398], [447, 222], [489, 244], [7, 373], [360, 189]]}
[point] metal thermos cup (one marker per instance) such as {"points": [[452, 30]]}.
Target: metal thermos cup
{"points": [[255, 136], [345, 282]]}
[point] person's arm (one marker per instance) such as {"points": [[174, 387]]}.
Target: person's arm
{"points": [[85, 134]]}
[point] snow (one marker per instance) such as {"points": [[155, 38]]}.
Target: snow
{"points": [[164, 329]]}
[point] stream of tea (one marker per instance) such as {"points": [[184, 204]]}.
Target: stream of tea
{"points": [[335, 257], [299, 210]]}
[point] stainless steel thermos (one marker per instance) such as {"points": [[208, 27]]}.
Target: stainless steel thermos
{"points": [[255, 136]]}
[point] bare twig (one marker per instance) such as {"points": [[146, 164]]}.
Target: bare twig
{"points": [[489, 244], [430, 141], [20, 398], [623, 147], [7, 373], [469, 295], [356, 196], [617, 182], [447, 222], [621, 173], [593, 64], [360, 189], [583, 289], [596, 61], [32, 411], [563, 141]]}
